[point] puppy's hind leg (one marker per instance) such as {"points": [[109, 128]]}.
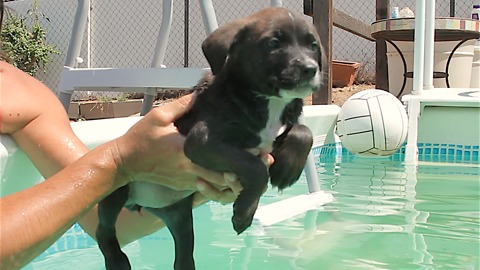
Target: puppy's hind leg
{"points": [[179, 220], [108, 210], [254, 179]]}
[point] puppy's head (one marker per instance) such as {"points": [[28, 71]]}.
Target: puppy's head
{"points": [[275, 52]]}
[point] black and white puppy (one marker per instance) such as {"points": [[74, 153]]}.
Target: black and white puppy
{"points": [[263, 66]]}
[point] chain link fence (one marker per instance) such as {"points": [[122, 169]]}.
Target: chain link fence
{"points": [[123, 33]]}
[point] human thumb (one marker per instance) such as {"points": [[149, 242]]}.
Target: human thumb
{"points": [[175, 109]]}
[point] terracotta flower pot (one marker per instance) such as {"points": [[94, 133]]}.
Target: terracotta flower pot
{"points": [[344, 73]]}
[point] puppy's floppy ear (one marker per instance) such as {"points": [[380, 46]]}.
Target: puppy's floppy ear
{"points": [[216, 46]]}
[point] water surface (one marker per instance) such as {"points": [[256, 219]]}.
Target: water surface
{"points": [[383, 217]]}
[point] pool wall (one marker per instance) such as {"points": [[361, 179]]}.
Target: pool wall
{"points": [[450, 125], [17, 172], [452, 131]]}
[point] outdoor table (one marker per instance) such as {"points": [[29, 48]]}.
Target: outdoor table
{"points": [[446, 29]]}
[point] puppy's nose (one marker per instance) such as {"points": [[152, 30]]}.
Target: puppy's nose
{"points": [[308, 70], [306, 67]]}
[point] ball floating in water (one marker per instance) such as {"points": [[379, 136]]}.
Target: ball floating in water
{"points": [[372, 123]]}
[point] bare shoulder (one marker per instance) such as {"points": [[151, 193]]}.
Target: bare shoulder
{"points": [[23, 99], [34, 117]]}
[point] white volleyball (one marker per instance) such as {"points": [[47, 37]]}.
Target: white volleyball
{"points": [[372, 123]]}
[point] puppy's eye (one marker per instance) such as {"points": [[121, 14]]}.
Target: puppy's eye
{"points": [[314, 46], [272, 43]]}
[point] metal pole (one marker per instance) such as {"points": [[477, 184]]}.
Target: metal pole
{"points": [[186, 25], [419, 47], [429, 44], [78, 30], [163, 34], [159, 54], [208, 14], [310, 168], [276, 3], [452, 8]]}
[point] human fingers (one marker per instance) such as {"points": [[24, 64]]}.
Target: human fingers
{"points": [[209, 176], [232, 180], [267, 159], [233, 183], [199, 199], [212, 193]]}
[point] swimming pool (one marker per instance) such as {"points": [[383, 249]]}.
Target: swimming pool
{"points": [[383, 217]]}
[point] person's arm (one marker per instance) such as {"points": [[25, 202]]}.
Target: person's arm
{"points": [[152, 150], [33, 116], [31, 220]]}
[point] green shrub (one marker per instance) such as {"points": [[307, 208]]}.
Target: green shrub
{"points": [[25, 46]]}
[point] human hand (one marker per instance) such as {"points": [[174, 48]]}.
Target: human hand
{"points": [[224, 194], [152, 151]]}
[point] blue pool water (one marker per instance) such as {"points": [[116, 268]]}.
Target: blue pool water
{"points": [[383, 217]]}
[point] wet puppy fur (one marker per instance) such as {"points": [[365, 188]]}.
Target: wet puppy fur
{"points": [[263, 66]]}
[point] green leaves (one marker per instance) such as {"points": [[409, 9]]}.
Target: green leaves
{"points": [[25, 45]]}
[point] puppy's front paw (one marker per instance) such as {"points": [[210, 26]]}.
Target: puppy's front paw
{"points": [[243, 213], [240, 224], [290, 152]]}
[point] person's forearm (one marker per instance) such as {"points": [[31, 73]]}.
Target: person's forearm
{"points": [[27, 227]]}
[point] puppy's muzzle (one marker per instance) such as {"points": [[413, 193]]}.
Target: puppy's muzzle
{"points": [[307, 69], [298, 73]]}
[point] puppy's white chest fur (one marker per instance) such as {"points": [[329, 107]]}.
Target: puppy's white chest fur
{"points": [[274, 126]]}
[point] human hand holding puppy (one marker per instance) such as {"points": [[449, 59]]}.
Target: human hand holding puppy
{"points": [[153, 149]]}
